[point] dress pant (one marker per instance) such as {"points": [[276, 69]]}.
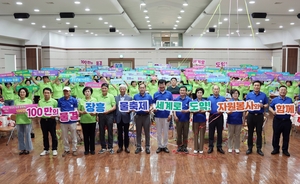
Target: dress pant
{"points": [[162, 130], [281, 126], [234, 136], [49, 125], [182, 133], [65, 128], [216, 122], [255, 121], [123, 129], [106, 120], [24, 137], [199, 132], [88, 130], [142, 121]]}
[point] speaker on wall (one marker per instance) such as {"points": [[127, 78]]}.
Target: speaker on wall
{"points": [[71, 30], [261, 30], [67, 15], [211, 29], [259, 15], [112, 29], [298, 16], [21, 15]]}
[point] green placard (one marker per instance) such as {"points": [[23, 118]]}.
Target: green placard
{"points": [[202, 105], [148, 72], [250, 74], [66, 75], [168, 105], [24, 73], [30, 88]]}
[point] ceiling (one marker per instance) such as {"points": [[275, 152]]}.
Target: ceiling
{"points": [[129, 16]]}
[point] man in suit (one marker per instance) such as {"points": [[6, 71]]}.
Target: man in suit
{"points": [[122, 120]]}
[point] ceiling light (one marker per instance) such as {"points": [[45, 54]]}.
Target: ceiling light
{"points": [[257, 23], [225, 19], [237, 31], [32, 23], [249, 26], [148, 21], [220, 23], [174, 27], [77, 2], [256, 33], [250, 34], [149, 25], [75, 26], [240, 9], [207, 31], [20, 19], [292, 23], [87, 9], [227, 35], [145, 11], [58, 19], [110, 26], [19, 3], [147, 17], [100, 18], [143, 3], [92, 33], [66, 33], [117, 30], [179, 17], [177, 21], [67, 22], [201, 35], [215, 25], [232, 33], [96, 34], [182, 11], [43, 26], [122, 34], [291, 10], [280, 26], [105, 22], [185, 4], [59, 31], [267, 20], [204, 33], [86, 31], [36, 10], [251, 2]]}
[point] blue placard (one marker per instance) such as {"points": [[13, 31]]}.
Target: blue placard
{"points": [[218, 79], [140, 105], [10, 79], [117, 81], [94, 107], [260, 71], [80, 79]]}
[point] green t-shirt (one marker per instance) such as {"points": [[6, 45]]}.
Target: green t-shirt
{"points": [[183, 78], [96, 92], [57, 90], [242, 90], [113, 90], [42, 86], [152, 88], [8, 93], [79, 91], [86, 118], [223, 89], [50, 103], [195, 86], [22, 118], [73, 91], [207, 89], [108, 99], [37, 93], [133, 90], [290, 92], [265, 89]]}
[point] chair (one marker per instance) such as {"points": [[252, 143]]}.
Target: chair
{"points": [[263, 130], [9, 129]]}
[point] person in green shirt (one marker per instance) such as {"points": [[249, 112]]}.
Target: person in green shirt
{"points": [[106, 118], [27, 84], [48, 124], [196, 84], [78, 88], [290, 89], [23, 123], [88, 122], [36, 99], [207, 88], [8, 93], [132, 88], [152, 87], [57, 87], [45, 84], [223, 88]]}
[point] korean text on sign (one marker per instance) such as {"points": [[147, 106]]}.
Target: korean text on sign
{"points": [[94, 107], [42, 111], [68, 116], [282, 109], [202, 105], [238, 106], [168, 105], [140, 105]]}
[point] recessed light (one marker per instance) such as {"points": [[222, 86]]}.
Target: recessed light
{"points": [[59, 31], [179, 17], [177, 21], [174, 27], [237, 31], [96, 34], [250, 34], [267, 20], [280, 26], [20, 19], [43, 26], [232, 33], [148, 21], [182, 11], [251, 2], [87, 9], [58, 19], [122, 34], [110, 26], [257, 23], [67, 22], [32, 23], [291, 10], [256, 33], [105, 22], [147, 17], [215, 25], [227, 35], [77, 2], [207, 31], [75, 26], [240, 9], [145, 11], [19, 3], [149, 25], [66, 33], [225, 19], [204, 33], [143, 3], [92, 33], [220, 22], [36, 10], [86, 31], [185, 4], [249, 26], [292, 23], [100, 18], [117, 30]]}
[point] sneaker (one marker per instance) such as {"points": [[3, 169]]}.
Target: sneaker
{"points": [[111, 151], [74, 153], [201, 152], [185, 150], [179, 149], [229, 150], [102, 151], [195, 151], [54, 152], [65, 153], [237, 151], [45, 152]]}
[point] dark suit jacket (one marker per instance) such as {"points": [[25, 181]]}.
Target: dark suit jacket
{"points": [[122, 115]]}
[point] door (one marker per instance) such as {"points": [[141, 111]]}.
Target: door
{"points": [[180, 62], [127, 62]]}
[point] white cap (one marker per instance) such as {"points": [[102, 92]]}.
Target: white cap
{"points": [[67, 88]]}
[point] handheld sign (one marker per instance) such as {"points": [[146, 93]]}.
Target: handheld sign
{"points": [[202, 105], [17, 109], [68, 116], [282, 109], [42, 111], [94, 107], [168, 105], [139, 105], [238, 106]]}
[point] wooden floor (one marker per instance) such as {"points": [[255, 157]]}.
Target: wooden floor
{"points": [[154, 168]]}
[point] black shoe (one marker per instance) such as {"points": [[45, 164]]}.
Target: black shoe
{"points": [[274, 152], [147, 150], [158, 150], [249, 151], [92, 152], [179, 149], [22, 152], [119, 150], [210, 150], [185, 150], [137, 150], [260, 152], [32, 135], [127, 150], [220, 150], [166, 150], [26, 152], [286, 153], [86, 153]]}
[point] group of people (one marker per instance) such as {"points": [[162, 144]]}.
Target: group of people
{"points": [[72, 97]]}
